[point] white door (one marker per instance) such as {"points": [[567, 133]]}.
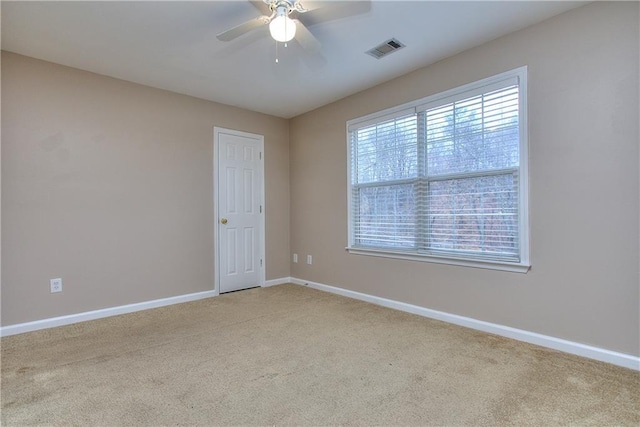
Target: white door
{"points": [[240, 225]]}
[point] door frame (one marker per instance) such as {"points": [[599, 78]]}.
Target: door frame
{"points": [[216, 228]]}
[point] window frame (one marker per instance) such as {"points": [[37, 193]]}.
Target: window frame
{"points": [[461, 92]]}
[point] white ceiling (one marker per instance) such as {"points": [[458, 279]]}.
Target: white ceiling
{"points": [[173, 45]]}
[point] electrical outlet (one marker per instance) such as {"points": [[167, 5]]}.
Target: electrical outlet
{"points": [[309, 260], [295, 258], [56, 285]]}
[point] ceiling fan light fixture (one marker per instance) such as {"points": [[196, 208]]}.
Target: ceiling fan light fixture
{"points": [[282, 28]]}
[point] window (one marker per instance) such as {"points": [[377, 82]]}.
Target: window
{"points": [[444, 179]]}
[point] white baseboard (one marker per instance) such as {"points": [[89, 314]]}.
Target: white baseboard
{"points": [[274, 282], [603, 355], [99, 314], [21, 328]]}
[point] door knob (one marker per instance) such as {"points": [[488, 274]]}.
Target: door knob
{"points": [[223, 220]]}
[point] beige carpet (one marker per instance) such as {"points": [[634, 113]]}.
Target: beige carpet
{"points": [[293, 355]]}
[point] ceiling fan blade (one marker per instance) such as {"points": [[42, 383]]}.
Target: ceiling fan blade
{"points": [[335, 10], [244, 28], [305, 38]]}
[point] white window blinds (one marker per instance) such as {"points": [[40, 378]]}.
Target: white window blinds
{"points": [[385, 159], [442, 179]]}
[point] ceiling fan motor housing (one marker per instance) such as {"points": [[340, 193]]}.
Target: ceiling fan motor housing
{"points": [[289, 5]]}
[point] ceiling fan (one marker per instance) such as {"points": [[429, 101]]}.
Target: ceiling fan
{"points": [[290, 18]]}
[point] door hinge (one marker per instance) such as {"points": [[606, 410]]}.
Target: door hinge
{"points": [[261, 155], [260, 263], [260, 208]]}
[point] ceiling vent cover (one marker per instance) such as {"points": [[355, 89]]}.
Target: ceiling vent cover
{"points": [[385, 48]]}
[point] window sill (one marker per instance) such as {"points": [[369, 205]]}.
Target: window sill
{"points": [[491, 265]]}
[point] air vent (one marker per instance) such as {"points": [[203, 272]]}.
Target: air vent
{"points": [[385, 48]]}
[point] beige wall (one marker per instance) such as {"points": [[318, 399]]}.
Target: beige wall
{"points": [[584, 192], [108, 185]]}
